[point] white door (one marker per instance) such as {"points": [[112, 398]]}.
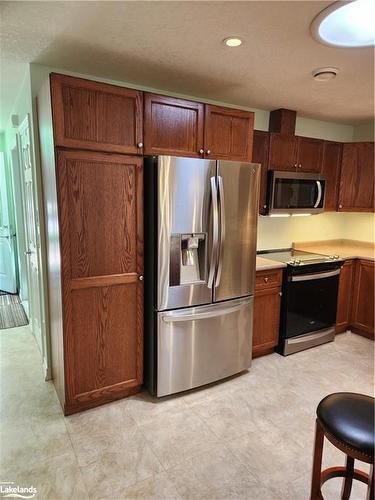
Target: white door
{"points": [[8, 282], [31, 233]]}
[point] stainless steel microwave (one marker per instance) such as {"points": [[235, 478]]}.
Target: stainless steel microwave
{"points": [[295, 193]]}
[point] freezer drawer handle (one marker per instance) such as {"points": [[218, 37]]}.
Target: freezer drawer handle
{"points": [[317, 276], [203, 315]]}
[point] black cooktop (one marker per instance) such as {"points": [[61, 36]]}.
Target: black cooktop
{"points": [[294, 257]]}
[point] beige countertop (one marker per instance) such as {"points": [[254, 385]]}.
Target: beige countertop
{"points": [[263, 264], [348, 249]]}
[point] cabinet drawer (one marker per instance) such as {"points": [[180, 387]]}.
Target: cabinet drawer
{"points": [[268, 279]]}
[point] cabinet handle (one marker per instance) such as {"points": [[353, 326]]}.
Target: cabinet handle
{"points": [[140, 277], [264, 206], [299, 166], [295, 165], [201, 151], [266, 280], [208, 151], [140, 144], [340, 206]]}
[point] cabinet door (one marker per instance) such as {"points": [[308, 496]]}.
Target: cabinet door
{"points": [[357, 177], [96, 116], [344, 299], [282, 152], [266, 326], [331, 172], [309, 156], [228, 133], [363, 299], [101, 239], [260, 155], [173, 126]]}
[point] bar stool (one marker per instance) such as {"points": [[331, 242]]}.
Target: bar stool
{"points": [[347, 420]]}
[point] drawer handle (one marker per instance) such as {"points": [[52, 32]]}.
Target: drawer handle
{"points": [[266, 280]]}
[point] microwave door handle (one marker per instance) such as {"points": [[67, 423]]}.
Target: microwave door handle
{"points": [[222, 230], [215, 232], [319, 184]]}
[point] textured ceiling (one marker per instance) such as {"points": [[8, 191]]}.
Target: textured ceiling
{"points": [[177, 47]]}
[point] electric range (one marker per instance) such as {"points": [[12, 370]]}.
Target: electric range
{"points": [[309, 298]]}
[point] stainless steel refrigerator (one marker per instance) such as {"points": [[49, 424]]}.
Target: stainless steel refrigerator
{"points": [[200, 251]]}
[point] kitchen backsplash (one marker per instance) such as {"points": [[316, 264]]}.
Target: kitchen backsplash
{"points": [[281, 232]]}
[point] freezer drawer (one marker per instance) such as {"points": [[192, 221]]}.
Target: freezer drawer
{"points": [[199, 345]]}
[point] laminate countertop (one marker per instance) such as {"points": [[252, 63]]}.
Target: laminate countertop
{"points": [[347, 249], [265, 264]]}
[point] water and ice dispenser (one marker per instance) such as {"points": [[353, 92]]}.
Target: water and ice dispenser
{"points": [[187, 259]]}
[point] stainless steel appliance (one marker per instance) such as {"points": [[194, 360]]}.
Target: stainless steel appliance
{"points": [[295, 193], [309, 299], [200, 243]]}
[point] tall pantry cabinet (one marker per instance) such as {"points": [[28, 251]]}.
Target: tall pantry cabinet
{"points": [[91, 142]]}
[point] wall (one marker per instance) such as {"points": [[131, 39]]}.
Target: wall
{"points": [[364, 131]]}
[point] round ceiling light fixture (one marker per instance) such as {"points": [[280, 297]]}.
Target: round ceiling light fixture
{"points": [[232, 41], [324, 74], [346, 24]]}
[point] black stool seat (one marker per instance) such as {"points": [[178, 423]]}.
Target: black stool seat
{"points": [[349, 418]]}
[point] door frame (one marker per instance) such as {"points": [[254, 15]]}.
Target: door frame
{"points": [[40, 233]]}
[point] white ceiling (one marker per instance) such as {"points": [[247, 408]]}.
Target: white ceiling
{"points": [[177, 47]]}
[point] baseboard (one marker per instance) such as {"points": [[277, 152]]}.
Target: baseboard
{"points": [[362, 333]]}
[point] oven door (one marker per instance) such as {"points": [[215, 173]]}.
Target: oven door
{"points": [[311, 301], [296, 193]]}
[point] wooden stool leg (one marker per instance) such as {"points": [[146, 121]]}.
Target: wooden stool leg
{"points": [[348, 480], [317, 462], [371, 484]]}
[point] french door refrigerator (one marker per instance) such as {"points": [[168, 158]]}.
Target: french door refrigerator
{"points": [[200, 244]]}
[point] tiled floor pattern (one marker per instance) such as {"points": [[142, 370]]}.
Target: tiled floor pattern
{"points": [[250, 437]]}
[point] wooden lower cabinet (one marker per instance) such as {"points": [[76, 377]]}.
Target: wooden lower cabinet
{"points": [[266, 311], [344, 300], [355, 306], [363, 299]]}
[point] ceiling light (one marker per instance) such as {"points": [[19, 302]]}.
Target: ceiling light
{"points": [[324, 74], [346, 24], [233, 41]]}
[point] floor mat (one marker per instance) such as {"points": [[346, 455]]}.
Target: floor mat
{"points": [[12, 313]]}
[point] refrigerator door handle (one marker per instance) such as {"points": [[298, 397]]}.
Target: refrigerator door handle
{"points": [[215, 232], [222, 230]]}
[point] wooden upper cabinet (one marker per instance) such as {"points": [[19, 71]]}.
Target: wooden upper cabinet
{"points": [[228, 133], [344, 298], [309, 154], [363, 299], [260, 155], [173, 126], [331, 172], [96, 116], [357, 177], [282, 152]]}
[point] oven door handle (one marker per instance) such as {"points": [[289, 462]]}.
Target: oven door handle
{"points": [[319, 184], [316, 276]]}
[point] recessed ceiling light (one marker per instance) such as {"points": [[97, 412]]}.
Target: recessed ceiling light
{"points": [[346, 24], [233, 41], [324, 74]]}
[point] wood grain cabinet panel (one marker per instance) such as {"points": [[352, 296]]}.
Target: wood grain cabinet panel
{"points": [[331, 164], [260, 155], [267, 303], [357, 177], [363, 299], [96, 116], [344, 299], [173, 126], [283, 152], [309, 155], [228, 133], [101, 217]]}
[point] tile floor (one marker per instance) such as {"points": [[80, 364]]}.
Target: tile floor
{"points": [[250, 437]]}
